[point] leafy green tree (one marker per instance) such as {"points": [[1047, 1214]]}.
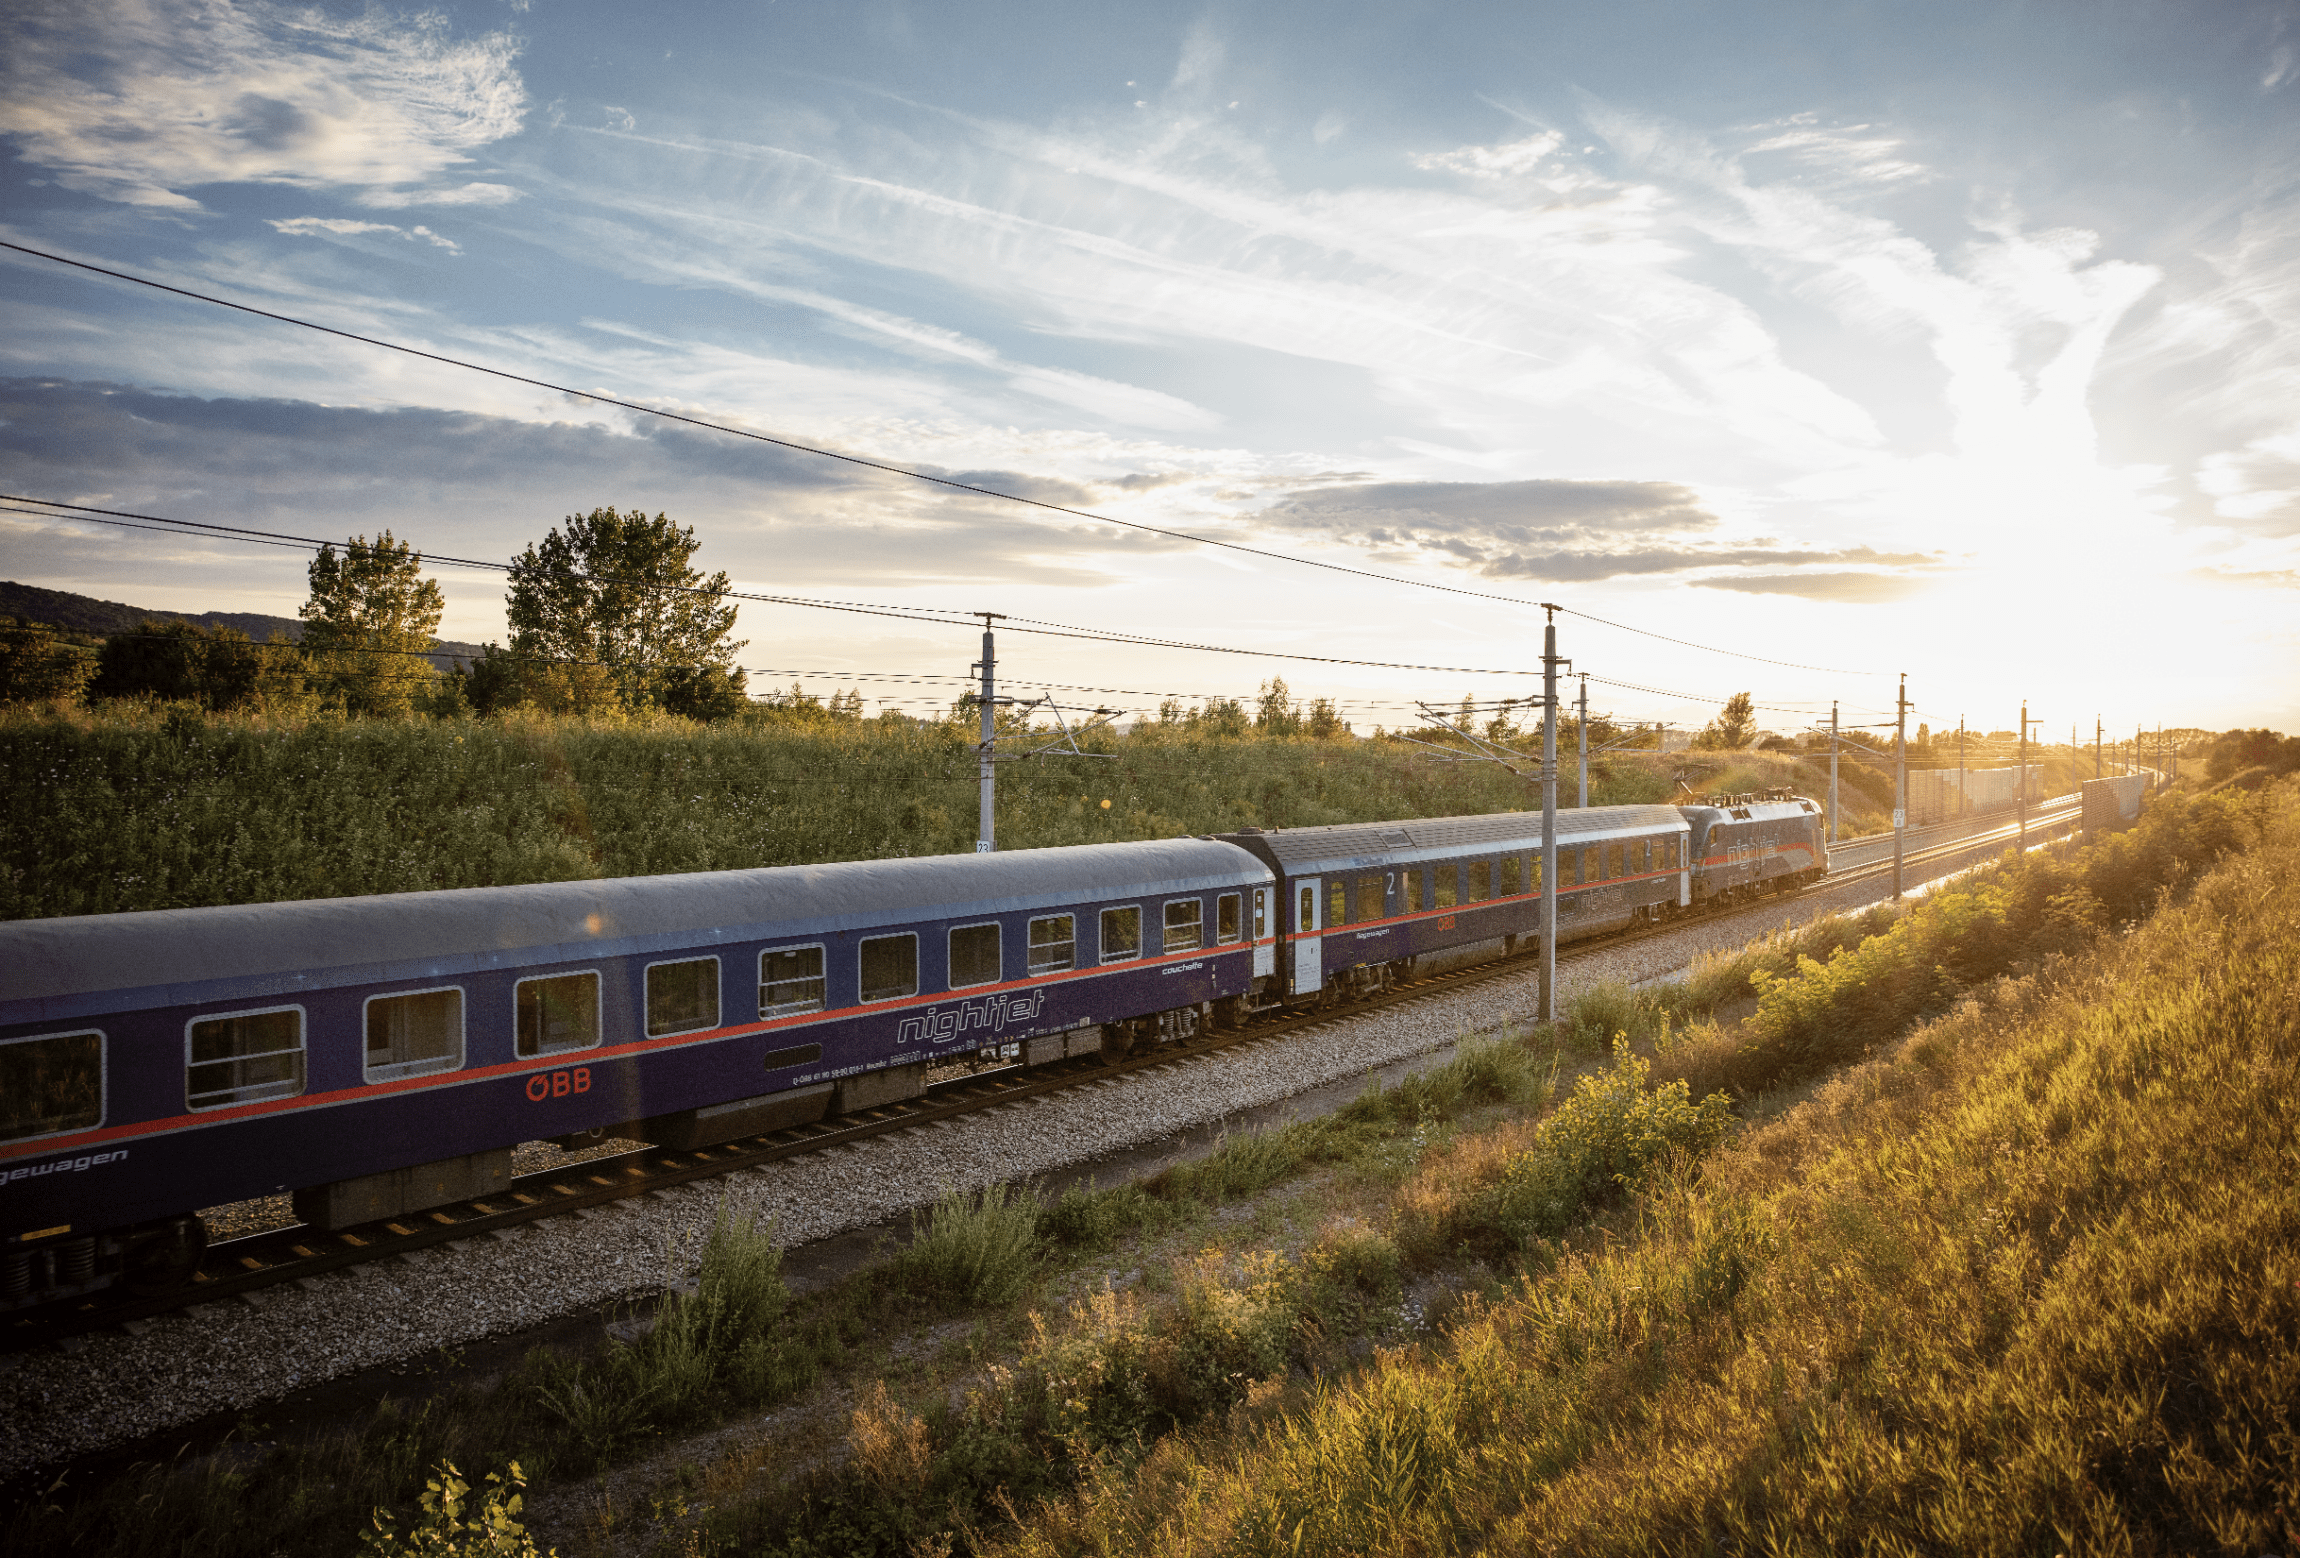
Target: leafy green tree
{"points": [[1275, 711], [220, 669], [612, 609], [369, 623], [2239, 750], [1733, 727], [38, 667]]}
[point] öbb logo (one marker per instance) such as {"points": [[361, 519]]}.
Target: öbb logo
{"points": [[558, 1084]]}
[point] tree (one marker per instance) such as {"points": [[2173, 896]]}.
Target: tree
{"points": [[1275, 711], [219, 668], [615, 594], [1733, 727], [38, 667], [2239, 750], [369, 624]]}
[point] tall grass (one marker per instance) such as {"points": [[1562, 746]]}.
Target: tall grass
{"points": [[971, 1249], [2030, 1282], [714, 1346], [134, 807]]}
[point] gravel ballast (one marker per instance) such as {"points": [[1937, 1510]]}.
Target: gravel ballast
{"points": [[107, 1388]]}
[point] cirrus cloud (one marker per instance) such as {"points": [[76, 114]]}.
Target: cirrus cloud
{"points": [[139, 101]]}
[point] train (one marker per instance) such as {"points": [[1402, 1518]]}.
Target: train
{"points": [[375, 1057]]}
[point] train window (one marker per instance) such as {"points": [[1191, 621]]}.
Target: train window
{"points": [[682, 997], [558, 1013], [1337, 902], [1261, 912], [50, 1084], [244, 1057], [1533, 873], [1616, 863], [1480, 880], [1448, 881], [1226, 919], [1121, 934], [889, 967], [1369, 898], [1593, 864], [1413, 876], [1306, 913], [790, 981], [414, 1034], [1185, 924], [1054, 945], [1509, 876], [974, 956]]}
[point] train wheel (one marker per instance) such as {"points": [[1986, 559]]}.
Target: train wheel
{"points": [[160, 1265], [1117, 1041]]}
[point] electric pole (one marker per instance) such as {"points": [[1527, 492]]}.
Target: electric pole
{"points": [[1900, 778], [2097, 728], [1832, 770], [1583, 742], [1549, 665], [1964, 801], [986, 832], [2022, 762]]}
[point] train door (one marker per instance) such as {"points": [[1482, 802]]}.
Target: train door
{"points": [[1309, 974], [1265, 950]]}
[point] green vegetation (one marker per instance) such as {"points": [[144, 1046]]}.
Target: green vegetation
{"points": [[2023, 1282], [611, 613], [451, 1525], [144, 807]]}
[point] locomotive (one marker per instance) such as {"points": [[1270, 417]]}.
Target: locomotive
{"points": [[374, 1057]]}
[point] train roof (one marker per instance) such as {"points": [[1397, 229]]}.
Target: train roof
{"points": [[1306, 851], [1753, 810], [462, 929]]}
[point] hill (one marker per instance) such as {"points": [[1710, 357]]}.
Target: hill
{"points": [[87, 614]]}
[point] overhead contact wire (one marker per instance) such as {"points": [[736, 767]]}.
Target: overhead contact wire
{"points": [[887, 467]]}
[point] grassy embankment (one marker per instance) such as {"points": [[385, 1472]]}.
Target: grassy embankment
{"points": [[1885, 1309], [137, 808], [2024, 1281]]}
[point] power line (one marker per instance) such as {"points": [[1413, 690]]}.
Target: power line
{"points": [[880, 465], [129, 520], [1686, 643]]}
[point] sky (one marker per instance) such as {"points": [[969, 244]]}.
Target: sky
{"points": [[1789, 348]]}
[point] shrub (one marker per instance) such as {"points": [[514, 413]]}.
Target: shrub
{"points": [[454, 1526], [1084, 1218], [1611, 1134], [972, 1249], [717, 1342]]}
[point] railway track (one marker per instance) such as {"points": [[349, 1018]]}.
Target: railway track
{"points": [[242, 1269]]}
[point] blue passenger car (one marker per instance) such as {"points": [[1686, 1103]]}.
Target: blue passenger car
{"points": [[378, 1055], [1362, 901]]}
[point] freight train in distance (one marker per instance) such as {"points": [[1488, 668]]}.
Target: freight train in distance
{"points": [[373, 1057]]}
